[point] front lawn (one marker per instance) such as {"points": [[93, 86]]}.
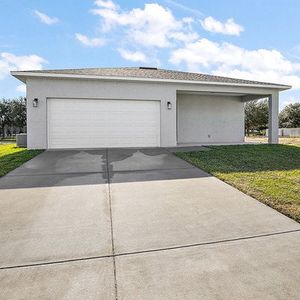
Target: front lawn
{"points": [[12, 157], [269, 173]]}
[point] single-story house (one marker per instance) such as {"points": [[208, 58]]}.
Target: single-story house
{"points": [[139, 107]]}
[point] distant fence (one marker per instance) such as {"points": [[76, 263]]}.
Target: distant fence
{"points": [[288, 132]]}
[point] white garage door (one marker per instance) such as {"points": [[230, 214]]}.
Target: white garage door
{"points": [[88, 123]]}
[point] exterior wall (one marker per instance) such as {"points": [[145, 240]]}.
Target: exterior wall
{"points": [[95, 89], [226, 113], [210, 119]]}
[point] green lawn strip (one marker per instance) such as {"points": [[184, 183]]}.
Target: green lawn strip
{"points": [[12, 157], [269, 173]]}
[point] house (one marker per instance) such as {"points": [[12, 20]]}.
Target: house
{"points": [[139, 107]]}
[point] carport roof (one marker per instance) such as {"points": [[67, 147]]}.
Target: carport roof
{"points": [[146, 73]]}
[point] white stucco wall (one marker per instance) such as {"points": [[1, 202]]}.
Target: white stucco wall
{"points": [[225, 113], [210, 119], [44, 89]]}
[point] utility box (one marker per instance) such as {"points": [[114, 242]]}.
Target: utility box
{"points": [[21, 139]]}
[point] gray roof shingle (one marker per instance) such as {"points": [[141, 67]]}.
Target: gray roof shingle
{"points": [[153, 73]]}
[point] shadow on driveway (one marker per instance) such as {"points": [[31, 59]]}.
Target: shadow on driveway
{"points": [[91, 167]]}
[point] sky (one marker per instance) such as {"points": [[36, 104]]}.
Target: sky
{"points": [[250, 39]]}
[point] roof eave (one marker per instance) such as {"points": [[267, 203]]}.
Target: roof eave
{"points": [[22, 75]]}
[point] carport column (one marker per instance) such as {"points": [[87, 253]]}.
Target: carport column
{"points": [[273, 118]]}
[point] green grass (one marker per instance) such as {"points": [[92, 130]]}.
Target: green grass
{"points": [[12, 157], [269, 173]]}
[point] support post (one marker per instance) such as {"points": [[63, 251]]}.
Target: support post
{"points": [[273, 118]]}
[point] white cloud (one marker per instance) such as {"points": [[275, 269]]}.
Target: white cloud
{"points": [[106, 4], [229, 60], [4, 68], [26, 62], [135, 56], [184, 37], [45, 19], [229, 27], [21, 88], [295, 52], [10, 62], [90, 42], [152, 26]]}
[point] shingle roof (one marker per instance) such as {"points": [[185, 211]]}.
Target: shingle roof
{"points": [[152, 73]]}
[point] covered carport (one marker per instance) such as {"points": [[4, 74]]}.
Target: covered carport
{"points": [[215, 115]]}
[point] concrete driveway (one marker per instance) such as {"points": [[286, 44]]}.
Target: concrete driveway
{"points": [[138, 224]]}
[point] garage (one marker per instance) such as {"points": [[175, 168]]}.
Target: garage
{"points": [[139, 107], [98, 123]]}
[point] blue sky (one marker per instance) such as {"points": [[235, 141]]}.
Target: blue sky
{"points": [[252, 39]]}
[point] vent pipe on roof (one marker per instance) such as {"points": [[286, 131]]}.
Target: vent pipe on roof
{"points": [[147, 68]]}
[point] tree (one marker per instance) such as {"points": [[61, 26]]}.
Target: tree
{"points": [[249, 116], [12, 113], [5, 115], [262, 114], [289, 117], [18, 112], [256, 115]]}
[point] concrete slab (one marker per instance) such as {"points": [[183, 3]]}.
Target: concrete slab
{"points": [[63, 162], [143, 159], [166, 213], [55, 208], [91, 279], [46, 224], [262, 268]]}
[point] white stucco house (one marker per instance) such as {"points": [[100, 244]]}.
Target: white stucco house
{"points": [[139, 107]]}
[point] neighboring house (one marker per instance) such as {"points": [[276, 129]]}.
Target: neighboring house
{"points": [[139, 107]]}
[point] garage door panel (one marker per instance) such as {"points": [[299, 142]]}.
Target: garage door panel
{"points": [[83, 123]]}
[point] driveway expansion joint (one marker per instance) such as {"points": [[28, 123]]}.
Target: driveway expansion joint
{"points": [[114, 255], [40, 264], [208, 243], [111, 226]]}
